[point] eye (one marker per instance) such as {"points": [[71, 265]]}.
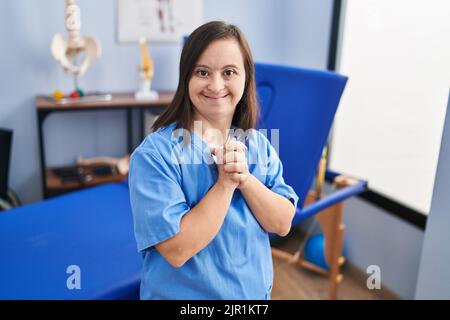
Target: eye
{"points": [[230, 72], [202, 73]]}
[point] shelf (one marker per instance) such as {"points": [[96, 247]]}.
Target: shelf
{"points": [[118, 100], [55, 185], [96, 101]]}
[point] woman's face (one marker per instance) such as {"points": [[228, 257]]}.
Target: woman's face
{"points": [[218, 80]]}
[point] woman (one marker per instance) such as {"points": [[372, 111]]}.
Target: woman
{"points": [[204, 202]]}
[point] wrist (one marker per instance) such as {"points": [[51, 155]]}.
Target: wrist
{"points": [[226, 187], [245, 185]]}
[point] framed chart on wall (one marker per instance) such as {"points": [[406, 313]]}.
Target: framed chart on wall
{"points": [[157, 20]]}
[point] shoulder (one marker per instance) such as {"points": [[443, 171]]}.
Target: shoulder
{"points": [[158, 145], [156, 152], [158, 142]]}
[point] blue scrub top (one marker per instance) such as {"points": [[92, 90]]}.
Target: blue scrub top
{"points": [[169, 174]]}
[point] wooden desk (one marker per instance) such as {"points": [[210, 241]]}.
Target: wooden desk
{"points": [[45, 105]]}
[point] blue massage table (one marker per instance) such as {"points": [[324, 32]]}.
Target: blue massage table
{"points": [[302, 103], [93, 228]]}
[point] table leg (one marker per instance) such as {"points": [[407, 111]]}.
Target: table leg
{"points": [[129, 130]]}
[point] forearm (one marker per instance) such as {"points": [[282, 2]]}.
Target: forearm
{"points": [[273, 211], [198, 227]]}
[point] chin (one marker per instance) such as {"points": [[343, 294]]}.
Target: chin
{"points": [[218, 113]]}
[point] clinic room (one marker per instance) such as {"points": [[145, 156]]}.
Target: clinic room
{"points": [[224, 150]]}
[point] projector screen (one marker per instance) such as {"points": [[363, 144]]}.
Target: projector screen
{"points": [[389, 124]]}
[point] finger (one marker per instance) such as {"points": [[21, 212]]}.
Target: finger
{"points": [[237, 167], [237, 177], [219, 155], [235, 156], [235, 145], [216, 149]]}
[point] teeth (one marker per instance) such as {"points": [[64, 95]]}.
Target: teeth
{"points": [[216, 97]]}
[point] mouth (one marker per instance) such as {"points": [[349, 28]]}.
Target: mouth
{"points": [[215, 97]]}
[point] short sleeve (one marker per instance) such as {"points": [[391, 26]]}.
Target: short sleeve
{"points": [[274, 176], [157, 200]]}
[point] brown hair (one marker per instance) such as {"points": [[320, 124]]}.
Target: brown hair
{"points": [[181, 110]]}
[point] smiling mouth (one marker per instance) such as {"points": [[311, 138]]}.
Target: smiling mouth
{"points": [[216, 98]]}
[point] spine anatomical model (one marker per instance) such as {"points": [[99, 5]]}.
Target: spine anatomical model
{"points": [[146, 72], [146, 61]]}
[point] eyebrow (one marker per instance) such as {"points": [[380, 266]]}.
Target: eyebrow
{"points": [[206, 67]]}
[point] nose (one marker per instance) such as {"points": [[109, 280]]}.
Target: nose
{"points": [[216, 84]]}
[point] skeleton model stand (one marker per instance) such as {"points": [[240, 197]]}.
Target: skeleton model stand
{"points": [[76, 53]]}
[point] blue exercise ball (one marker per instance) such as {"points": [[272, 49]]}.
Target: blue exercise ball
{"points": [[314, 251]]}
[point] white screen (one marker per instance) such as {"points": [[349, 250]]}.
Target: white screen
{"points": [[389, 124]]}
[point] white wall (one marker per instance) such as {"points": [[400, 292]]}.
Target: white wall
{"points": [[290, 32], [434, 275], [376, 237]]}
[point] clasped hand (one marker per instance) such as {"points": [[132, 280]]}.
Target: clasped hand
{"points": [[232, 163]]}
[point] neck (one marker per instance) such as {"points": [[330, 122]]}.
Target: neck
{"points": [[213, 132]]}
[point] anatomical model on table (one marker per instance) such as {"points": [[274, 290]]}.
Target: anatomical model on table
{"points": [[146, 72], [75, 53]]}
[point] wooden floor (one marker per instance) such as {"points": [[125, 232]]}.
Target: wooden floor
{"points": [[296, 283]]}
